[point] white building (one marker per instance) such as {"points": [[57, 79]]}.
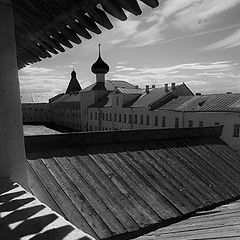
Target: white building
{"points": [[35, 107], [206, 110]]}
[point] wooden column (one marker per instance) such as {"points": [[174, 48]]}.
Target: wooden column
{"points": [[12, 153]]}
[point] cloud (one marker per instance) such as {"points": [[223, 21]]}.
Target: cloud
{"points": [[31, 70], [194, 14], [199, 76], [231, 41]]}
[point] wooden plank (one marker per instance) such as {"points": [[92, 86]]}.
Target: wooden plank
{"points": [[122, 186], [179, 176], [194, 162], [126, 181], [211, 233], [62, 200], [223, 151], [214, 167], [79, 201], [83, 162], [102, 192], [229, 171], [89, 194], [39, 190], [193, 196], [156, 185], [155, 200], [178, 164]]}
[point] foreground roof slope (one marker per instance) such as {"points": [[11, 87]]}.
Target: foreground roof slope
{"points": [[129, 182]]}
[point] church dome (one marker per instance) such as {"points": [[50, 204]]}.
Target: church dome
{"points": [[100, 67]]}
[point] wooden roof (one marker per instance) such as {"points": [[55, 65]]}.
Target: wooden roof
{"points": [[46, 27], [125, 183], [219, 223]]}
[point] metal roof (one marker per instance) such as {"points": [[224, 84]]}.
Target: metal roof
{"points": [[206, 103], [219, 223], [35, 97], [72, 97], [111, 85], [130, 91], [125, 183], [46, 27]]}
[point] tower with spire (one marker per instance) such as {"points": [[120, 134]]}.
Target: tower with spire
{"points": [[73, 85], [100, 68]]}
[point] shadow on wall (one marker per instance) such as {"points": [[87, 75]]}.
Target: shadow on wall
{"points": [[20, 216]]}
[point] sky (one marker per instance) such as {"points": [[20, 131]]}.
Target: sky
{"points": [[192, 41]]}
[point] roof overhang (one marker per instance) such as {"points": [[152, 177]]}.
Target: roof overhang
{"points": [[45, 27]]}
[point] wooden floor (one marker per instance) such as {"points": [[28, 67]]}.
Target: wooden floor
{"points": [[220, 223], [22, 216], [123, 189]]}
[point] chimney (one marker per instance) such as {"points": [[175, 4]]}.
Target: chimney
{"points": [[198, 94], [136, 86], [153, 86], [173, 86], [147, 89], [166, 87]]}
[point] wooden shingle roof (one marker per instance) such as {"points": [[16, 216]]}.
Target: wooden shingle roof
{"points": [[123, 184], [219, 223], [46, 27]]}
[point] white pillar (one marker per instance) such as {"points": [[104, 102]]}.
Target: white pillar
{"points": [[12, 153]]}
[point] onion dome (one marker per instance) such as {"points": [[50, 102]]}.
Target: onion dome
{"points": [[100, 67]]}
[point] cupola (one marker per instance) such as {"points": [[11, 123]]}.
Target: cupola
{"points": [[100, 67]]}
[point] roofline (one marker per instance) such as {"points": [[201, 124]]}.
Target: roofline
{"points": [[42, 142]]}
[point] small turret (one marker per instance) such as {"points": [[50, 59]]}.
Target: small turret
{"points": [[73, 85]]}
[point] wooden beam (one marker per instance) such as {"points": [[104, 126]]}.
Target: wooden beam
{"points": [[78, 28], [87, 22], [70, 34], [60, 38], [99, 16], [114, 9], [54, 43], [131, 6], [151, 3], [47, 46]]}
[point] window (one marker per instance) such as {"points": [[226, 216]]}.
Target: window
{"points": [[217, 123], [163, 121], [103, 115], [91, 115], [125, 118], [106, 116], [176, 122], [110, 117], [156, 121], [95, 115], [135, 118], [190, 123], [236, 128], [115, 117], [119, 117], [147, 120], [130, 118], [200, 123], [117, 101], [141, 119]]}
